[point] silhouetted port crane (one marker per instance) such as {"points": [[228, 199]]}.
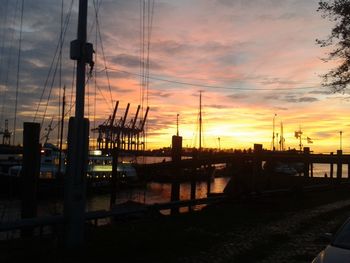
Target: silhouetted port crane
{"points": [[6, 134], [126, 135]]}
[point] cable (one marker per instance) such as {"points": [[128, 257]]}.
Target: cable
{"points": [[18, 69], [208, 86], [103, 52], [9, 64], [53, 59]]}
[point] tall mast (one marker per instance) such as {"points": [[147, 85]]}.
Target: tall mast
{"points": [[78, 142], [200, 120], [282, 138]]}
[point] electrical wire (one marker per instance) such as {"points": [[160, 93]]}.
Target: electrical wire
{"points": [[208, 86]]}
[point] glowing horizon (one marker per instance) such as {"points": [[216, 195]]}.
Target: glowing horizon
{"points": [[252, 59]]}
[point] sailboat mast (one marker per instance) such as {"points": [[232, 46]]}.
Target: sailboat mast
{"points": [[282, 138], [78, 142], [200, 121]]}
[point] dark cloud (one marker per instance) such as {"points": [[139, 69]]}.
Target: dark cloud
{"points": [[295, 99], [281, 108], [321, 92], [285, 16], [238, 96], [155, 93], [323, 135], [277, 81], [271, 97], [307, 99], [131, 61], [170, 47], [217, 106]]}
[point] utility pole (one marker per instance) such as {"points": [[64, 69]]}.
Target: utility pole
{"points": [[78, 143]]}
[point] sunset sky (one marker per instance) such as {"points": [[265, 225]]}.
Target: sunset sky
{"points": [[252, 59]]}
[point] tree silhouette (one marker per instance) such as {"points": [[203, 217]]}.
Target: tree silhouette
{"points": [[338, 12]]}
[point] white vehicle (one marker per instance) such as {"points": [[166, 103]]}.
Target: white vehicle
{"points": [[338, 251]]}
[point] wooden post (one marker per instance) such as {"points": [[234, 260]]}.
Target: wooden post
{"points": [[75, 183], [258, 162], [331, 168], [306, 162], [209, 180], [257, 165], [176, 152], [339, 164], [193, 188], [114, 180], [30, 172]]}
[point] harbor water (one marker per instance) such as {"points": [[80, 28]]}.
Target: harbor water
{"points": [[151, 193]]}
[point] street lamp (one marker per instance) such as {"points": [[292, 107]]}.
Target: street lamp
{"points": [[219, 142], [341, 135]]}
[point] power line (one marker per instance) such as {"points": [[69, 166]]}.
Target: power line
{"points": [[205, 85]]}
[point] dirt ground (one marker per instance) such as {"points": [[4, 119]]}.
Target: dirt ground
{"points": [[284, 228]]}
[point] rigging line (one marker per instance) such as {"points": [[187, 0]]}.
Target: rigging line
{"points": [[18, 69], [73, 82], [140, 69], [9, 65], [67, 19], [50, 91], [99, 89], [103, 54], [88, 99], [143, 56], [150, 24], [144, 52], [149, 33], [72, 105], [94, 21], [211, 86], [95, 70], [60, 75], [3, 36], [49, 96]]}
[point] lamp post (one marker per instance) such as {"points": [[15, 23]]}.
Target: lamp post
{"points": [[219, 142], [341, 135]]}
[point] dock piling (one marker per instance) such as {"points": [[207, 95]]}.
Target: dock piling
{"points": [[176, 152], [339, 164], [30, 172]]}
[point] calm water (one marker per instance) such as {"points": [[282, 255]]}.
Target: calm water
{"points": [[152, 193]]}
